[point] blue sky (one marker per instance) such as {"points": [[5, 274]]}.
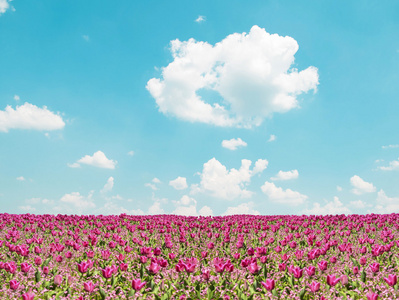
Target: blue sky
{"points": [[202, 108]]}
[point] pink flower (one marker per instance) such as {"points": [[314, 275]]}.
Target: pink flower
{"points": [[375, 267], [322, 265], [157, 251], [206, 274], [38, 260], [282, 266], [83, 267], [363, 260], [311, 270], [391, 280], [137, 285], [355, 270], [57, 279], [332, 280], [107, 272], [123, 266], [14, 284], [372, 296], [297, 272], [172, 255], [89, 286], [204, 254], [236, 255], [344, 279], [269, 284], [253, 268], [143, 259], [211, 245], [333, 259], [250, 251], [46, 270], [315, 286], [25, 267], [154, 268], [28, 296]]}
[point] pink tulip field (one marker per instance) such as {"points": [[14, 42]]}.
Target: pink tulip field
{"points": [[176, 257]]}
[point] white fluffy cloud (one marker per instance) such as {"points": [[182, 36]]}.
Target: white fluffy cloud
{"points": [[219, 182], [359, 204], [390, 146], [21, 178], [281, 175], [360, 186], [385, 204], [233, 144], [131, 153], [250, 74], [29, 116], [79, 202], [16, 98], [277, 194], [241, 209], [4, 5], [393, 165], [98, 160], [180, 183], [205, 211], [108, 186], [334, 207]]}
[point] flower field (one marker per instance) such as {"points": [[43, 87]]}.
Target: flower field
{"points": [[176, 257]]}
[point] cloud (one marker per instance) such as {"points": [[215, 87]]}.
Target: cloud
{"points": [[78, 202], [16, 98], [26, 208], [339, 189], [4, 5], [111, 208], [281, 175], [156, 180], [393, 165], [359, 204], [334, 207], [86, 37], [277, 194], [221, 183], [200, 19], [272, 138], [260, 166], [29, 116], [98, 160], [156, 209], [131, 153], [153, 184], [247, 77], [21, 178], [108, 186], [205, 211], [179, 183], [385, 204], [233, 144], [390, 147], [241, 209], [361, 186]]}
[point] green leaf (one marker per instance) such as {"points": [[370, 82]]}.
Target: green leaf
{"points": [[363, 276], [302, 294], [275, 293], [37, 276], [131, 293], [102, 294]]}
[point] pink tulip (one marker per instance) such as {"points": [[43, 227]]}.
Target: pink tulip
{"points": [[211, 245], [57, 279], [391, 280], [363, 260], [14, 284], [311, 270], [172, 255], [322, 265], [25, 267], [315, 286], [282, 266], [107, 272], [137, 285], [154, 268], [355, 270], [375, 267], [372, 296], [297, 272], [344, 279], [38, 261], [332, 280], [206, 274], [89, 286], [28, 296], [83, 267], [269, 284]]}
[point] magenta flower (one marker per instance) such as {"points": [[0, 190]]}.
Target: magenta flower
{"points": [[46, 270], [107, 272], [282, 266], [332, 280], [355, 270], [83, 267], [344, 279], [25, 267], [372, 296], [89, 286], [363, 260], [269, 284], [311, 270], [38, 261], [297, 272], [14, 284], [391, 280], [137, 285], [315, 286], [206, 274], [375, 267], [172, 255], [123, 266], [28, 296], [204, 254], [322, 265], [154, 268], [211, 245], [253, 268]]}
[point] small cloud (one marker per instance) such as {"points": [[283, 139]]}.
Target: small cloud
{"points": [[108, 185], [98, 160], [156, 180], [180, 183], [361, 186], [21, 178], [4, 5], [233, 144], [241, 209], [390, 146], [272, 138], [151, 186], [200, 19], [334, 207], [86, 37], [47, 135], [131, 153], [27, 208], [378, 161], [281, 175], [278, 195], [16, 98], [393, 165], [339, 189], [358, 204], [74, 165]]}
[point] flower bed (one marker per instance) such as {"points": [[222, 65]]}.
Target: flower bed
{"points": [[175, 257]]}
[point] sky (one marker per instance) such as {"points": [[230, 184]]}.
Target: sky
{"points": [[199, 108]]}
